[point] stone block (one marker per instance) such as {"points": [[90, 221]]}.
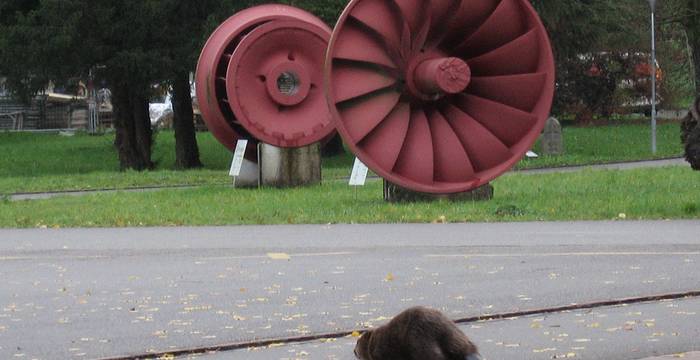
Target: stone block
{"points": [[289, 167], [552, 141]]}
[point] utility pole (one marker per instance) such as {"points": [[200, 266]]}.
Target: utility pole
{"points": [[652, 4], [93, 111]]}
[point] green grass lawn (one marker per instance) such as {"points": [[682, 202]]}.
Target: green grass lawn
{"points": [[605, 144], [665, 193], [49, 162]]}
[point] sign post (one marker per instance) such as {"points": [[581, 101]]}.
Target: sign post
{"points": [[237, 162], [359, 175], [93, 112]]}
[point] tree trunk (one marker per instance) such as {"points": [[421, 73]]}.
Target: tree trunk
{"points": [[132, 122], [695, 45], [186, 149], [693, 29]]}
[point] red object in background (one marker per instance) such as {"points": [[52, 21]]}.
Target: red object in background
{"points": [[441, 96], [259, 78], [642, 69]]}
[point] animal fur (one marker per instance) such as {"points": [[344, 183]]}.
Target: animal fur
{"points": [[416, 334], [690, 135], [692, 149]]}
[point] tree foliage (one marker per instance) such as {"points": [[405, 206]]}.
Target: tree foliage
{"points": [[32, 40], [690, 18], [131, 45]]}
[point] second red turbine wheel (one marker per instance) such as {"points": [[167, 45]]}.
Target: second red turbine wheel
{"points": [[260, 78]]}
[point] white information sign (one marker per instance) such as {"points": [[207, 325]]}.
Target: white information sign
{"points": [[359, 173], [238, 155]]}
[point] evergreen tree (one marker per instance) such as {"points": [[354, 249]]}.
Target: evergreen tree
{"points": [[132, 44]]}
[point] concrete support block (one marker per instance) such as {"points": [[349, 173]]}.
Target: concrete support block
{"points": [[394, 193], [289, 167], [250, 175]]}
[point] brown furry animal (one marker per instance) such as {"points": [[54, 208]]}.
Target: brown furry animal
{"points": [[692, 149], [690, 135], [416, 334]]}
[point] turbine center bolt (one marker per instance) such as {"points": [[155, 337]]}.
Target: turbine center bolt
{"points": [[441, 76], [288, 83]]}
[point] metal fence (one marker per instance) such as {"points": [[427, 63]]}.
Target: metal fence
{"points": [[41, 114]]}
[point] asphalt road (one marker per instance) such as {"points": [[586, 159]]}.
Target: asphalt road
{"points": [[614, 333], [114, 292]]}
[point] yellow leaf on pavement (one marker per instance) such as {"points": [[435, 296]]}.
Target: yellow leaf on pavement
{"points": [[278, 256]]}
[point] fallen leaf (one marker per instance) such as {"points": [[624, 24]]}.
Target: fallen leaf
{"points": [[278, 256]]}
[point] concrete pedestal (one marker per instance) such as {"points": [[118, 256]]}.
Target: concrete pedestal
{"points": [[289, 167], [249, 177], [394, 193]]}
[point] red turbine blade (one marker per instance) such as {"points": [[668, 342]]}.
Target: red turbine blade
{"points": [[484, 148], [412, 12], [470, 16], [353, 81], [380, 17], [441, 14], [518, 91], [452, 163], [357, 45], [364, 115], [520, 56], [506, 23], [416, 159], [384, 143], [409, 13], [509, 124]]}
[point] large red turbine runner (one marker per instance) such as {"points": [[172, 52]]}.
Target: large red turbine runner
{"points": [[440, 96]]}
